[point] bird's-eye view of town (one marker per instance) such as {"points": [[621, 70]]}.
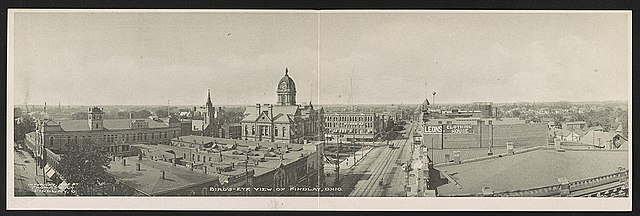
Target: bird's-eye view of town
{"points": [[308, 104]]}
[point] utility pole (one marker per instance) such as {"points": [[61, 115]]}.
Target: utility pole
{"points": [[337, 165], [433, 100], [490, 147], [480, 124], [442, 137], [246, 169]]}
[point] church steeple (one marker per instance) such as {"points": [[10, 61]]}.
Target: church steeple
{"points": [[209, 125], [209, 98]]}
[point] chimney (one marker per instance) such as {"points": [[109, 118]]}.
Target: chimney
{"points": [[137, 166], [162, 174], [259, 109]]}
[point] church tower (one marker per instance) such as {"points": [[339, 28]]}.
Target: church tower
{"points": [[286, 90], [95, 118], [210, 126]]}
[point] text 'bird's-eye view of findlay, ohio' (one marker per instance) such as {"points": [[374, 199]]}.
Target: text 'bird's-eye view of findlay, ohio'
{"points": [[320, 104]]}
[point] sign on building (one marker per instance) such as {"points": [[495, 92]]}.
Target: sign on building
{"points": [[448, 128]]}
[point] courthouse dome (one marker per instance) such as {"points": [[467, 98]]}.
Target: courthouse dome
{"points": [[286, 84]]}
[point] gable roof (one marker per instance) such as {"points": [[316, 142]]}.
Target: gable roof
{"points": [[281, 114]]}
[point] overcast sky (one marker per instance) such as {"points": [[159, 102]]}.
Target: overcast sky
{"points": [[149, 58]]}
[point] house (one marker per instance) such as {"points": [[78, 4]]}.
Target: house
{"points": [[574, 125], [567, 135], [603, 139]]}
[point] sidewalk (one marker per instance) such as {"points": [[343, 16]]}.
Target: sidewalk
{"points": [[348, 162], [25, 172]]}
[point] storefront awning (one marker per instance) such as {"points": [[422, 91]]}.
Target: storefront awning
{"points": [[50, 173]]}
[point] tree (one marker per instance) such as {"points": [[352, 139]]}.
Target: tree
{"points": [[17, 112], [79, 115], [161, 113], [86, 164], [23, 126], [141, 114]]}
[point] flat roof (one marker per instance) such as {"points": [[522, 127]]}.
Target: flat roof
{"points": [[271, 163], [149, 178], [531, 169]]}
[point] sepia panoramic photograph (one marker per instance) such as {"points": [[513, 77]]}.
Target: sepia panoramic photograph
{"points": [[318, 105]]}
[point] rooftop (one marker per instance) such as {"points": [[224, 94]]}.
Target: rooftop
{"points": [[234, 151], [109, 124], [531, 169], [149, 179]]}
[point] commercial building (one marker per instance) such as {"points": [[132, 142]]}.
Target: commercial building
{"points": [[481, 132], [285, 122], [144, 177], [115, 134], [352, 126], [242, 162]]}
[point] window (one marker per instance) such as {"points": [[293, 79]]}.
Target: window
{"points": [[253, 130], [51, 140], [75, 140], [276, 131]]}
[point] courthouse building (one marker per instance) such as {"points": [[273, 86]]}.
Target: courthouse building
{"points": [[286, 121]]}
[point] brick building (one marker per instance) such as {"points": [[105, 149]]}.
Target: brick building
{"points": [[351, 126]]}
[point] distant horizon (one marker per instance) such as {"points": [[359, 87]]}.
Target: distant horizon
{"points": [[395, 104]]}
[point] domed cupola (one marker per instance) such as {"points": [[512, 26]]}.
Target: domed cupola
{"points": [[286, 90]]}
